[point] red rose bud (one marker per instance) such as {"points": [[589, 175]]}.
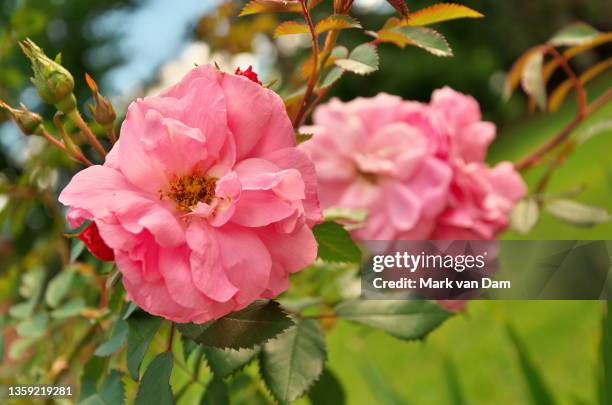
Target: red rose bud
{"points": [[249, 74], [54, 83], [28, 121], [400, 6], [92, 239], [103, 111]]}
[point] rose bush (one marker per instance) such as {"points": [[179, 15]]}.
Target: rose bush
{"points": [[417, 168], [205, 200]]}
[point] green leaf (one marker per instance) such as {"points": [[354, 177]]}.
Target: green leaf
{"points": [[77, 248], [336, 22], [216, 393], [292, 362], [34, 327], [59, 287], [425, 38], [605, 385], [251, 326], [22, 310], [225, 362], [69, 309], [525, 215], [441, 12], [454, 386], [155, 385], [595, 129], [577, 213], [363, 60], [331, 77], [539, 392], [335, 243], [402, 319], [141, 330], [532, 79], [290, 28], [575, 34], [117, 339], [327, 390], [112, 390]]}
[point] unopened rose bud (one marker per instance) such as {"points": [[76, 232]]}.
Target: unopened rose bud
{"points": [[29, 122], [54, 83], [103, 111]]}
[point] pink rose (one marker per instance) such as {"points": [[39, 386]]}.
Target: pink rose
{"points": [[417, 168], [369, 154], [205, 200]]}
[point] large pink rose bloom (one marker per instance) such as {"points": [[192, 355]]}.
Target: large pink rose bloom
{"points": [[417, 168], [205, 200]]}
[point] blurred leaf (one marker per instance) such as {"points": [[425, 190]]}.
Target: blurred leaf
{"points": [[345, 214], [251, 326], [59, 287], [454, 386], [525, 215], [594, 129], [34, 327], [380, 387], [577, 213], [117, 339], [441, 12], [77, 248], [131, 307], [290, 28], [516, 72], [336, 22], [225, 362], [575, 34], [69, 309], [22, 310], [331, 77], [424, 38], [155, 385], [112, 391], [216, 393], [558, 95], [19, 346], [363, 60], [533, 80], [400, 6], [402, 319], [605, 383], [141, 330], [301, 138], [293, 361], [327, 390], [335, 243], [274, 6], [538, 390]]}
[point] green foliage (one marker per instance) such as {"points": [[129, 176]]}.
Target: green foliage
{"points": [[425, 38], [225, 362], [59, 287], [538, 390], [327, 390], [112, 391], [525, 215], [335, 244], [362, 60], [216, 393], [577, 213], [575, 34], [141, 331], [532, 79], [116, 340], [454, 386], [402, 319], [605, 369], [292, 362], [251, 326], [155, 385]]}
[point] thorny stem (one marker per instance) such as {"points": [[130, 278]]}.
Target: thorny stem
{"points": [[170, 338], [52, 140], [75, 116], [537, 155], [312, 81], [71, 149]]}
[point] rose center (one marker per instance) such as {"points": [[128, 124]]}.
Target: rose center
{"points": [[188, 191]]}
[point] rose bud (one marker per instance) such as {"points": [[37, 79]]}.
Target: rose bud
{"points": [[103, 111], [28, 122], [54, 83]]}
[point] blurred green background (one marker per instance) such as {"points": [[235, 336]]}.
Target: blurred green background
{"points": [[562, 337]]}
